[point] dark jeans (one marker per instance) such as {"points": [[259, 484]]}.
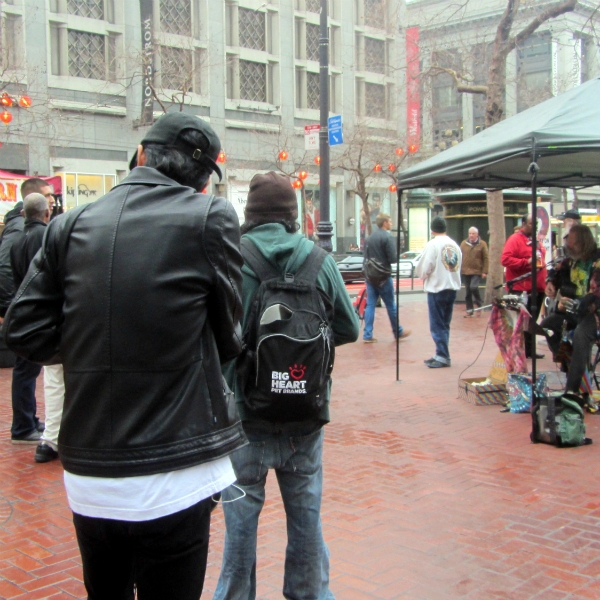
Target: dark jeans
{"points": [[583, 338], [534, 317], [440, 306], [554, 323], [164, 558], [23, 398], [472, 289]]}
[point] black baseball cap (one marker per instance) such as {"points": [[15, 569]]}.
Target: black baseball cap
{"points": [[167, 131], [572, 213]]}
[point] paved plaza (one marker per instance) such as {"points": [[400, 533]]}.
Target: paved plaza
{"points": [[426, 497]]}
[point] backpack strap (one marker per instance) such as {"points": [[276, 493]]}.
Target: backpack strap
{"points": [[311, 267], [263, 269]]}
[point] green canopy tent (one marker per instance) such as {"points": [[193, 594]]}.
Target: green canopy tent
{"points": [[556, 143]]}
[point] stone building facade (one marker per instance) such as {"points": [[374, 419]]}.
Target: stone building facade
{"points": [[248, 67]]}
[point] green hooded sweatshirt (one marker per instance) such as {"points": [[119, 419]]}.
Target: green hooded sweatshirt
{"points": [[287, 251]]}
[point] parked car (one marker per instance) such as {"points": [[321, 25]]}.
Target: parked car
{"points": [[351, 268], [408, 261]]}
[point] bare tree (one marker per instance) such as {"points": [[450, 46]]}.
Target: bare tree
{"points": [[494, 91]]}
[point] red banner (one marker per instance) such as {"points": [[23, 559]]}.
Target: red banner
{"points": [[413, 89]]}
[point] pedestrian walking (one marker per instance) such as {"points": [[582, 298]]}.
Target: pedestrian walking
{"points": [[475, 265], [289, 444], [139, 296], [381, 250], [26, 427], [439, 267]]}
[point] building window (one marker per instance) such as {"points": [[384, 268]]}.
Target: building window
{"points": [[374, 55], [87, 55], [92, 9], [253, 81], [375, 100], [446, 109], [313, 6], [176, 69], [11, 50], [176, 17], [534, 71], [374, 12], [312, 41], [312, 90], [252, 30]]}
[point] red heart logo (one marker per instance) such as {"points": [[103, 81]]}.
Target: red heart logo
{"points": [[297, 372]]}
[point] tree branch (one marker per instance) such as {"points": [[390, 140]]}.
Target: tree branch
{"points": [[551, 13]]}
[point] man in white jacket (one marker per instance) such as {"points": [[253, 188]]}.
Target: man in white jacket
{"points": [[439, 267]]}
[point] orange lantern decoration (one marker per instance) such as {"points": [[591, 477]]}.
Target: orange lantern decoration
{"points": [[302, 175], [399, 151], [5, 117], [297, 184], [6, 100], [393, 188], [24, 101], [317, 160], [377, 168], [222, 157], [413, 148], [391, 167], [283, 155]]}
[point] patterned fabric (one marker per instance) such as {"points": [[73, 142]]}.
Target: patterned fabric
{"points": [[509, 338]]}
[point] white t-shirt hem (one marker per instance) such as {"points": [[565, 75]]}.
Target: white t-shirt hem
{"points": [[142, 498]]}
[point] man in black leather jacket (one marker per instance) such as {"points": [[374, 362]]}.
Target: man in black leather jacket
{"points": [[138, 295]]}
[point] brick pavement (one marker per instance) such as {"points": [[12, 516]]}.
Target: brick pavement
{"points": [[426, 496]]}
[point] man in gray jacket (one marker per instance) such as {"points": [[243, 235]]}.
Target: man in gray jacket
{"points": [[381, 247]]}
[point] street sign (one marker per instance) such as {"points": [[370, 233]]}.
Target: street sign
{"points": [[336, 135], [311, 137]]}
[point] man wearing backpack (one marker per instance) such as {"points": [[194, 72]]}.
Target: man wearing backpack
{"points": [[380, 254], [291, 446]]}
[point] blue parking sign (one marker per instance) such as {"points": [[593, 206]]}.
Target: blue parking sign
{"points": [[334, 125]]}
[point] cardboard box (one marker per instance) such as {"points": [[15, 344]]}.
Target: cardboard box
{"points": [[484, 395]]}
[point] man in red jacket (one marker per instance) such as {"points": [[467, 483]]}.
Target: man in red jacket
{"points": [[516, 257]]}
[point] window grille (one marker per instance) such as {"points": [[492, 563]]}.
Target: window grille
{"points": [[313, 6], [374, 55], [87, 57], [253, 81], [375, 13], [176, 71], [252, 29], [176, 17], [375, 100], [312, 90], [312, 41], [92, 9]]}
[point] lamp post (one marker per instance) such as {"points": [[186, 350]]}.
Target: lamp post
{"points": [[324, 228]]}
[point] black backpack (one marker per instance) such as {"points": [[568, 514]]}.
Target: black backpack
{"points": [[288, 353]]}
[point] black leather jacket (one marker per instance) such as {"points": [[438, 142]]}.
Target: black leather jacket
{"points": [[13, 225], [141, 308], [24, 247]]}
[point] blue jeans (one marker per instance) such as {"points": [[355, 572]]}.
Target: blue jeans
{"points": [[294, 451], [386, 291], [440, 306], [24, 404]]}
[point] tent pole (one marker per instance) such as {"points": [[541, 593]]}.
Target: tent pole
{"points": [[399, 229], [533, 170]]}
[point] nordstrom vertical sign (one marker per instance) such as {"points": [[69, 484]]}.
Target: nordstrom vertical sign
{"points": [[147, 62]]}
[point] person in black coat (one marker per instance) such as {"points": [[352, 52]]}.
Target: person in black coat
{"points": [[26, 426]]}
